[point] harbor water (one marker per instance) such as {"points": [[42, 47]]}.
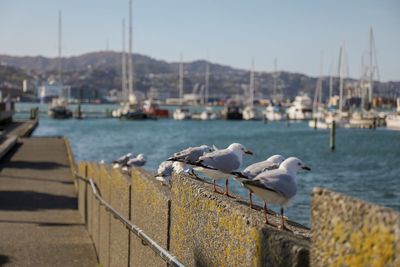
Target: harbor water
{"points": [[365, 164]]}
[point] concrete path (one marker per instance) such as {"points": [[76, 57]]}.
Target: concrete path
{"points": [[39, 221]]}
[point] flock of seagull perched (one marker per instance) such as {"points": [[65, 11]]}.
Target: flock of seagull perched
{"points": [[274, 180]]}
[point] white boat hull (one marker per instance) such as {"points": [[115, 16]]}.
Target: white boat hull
{"points": [[393, 122]]}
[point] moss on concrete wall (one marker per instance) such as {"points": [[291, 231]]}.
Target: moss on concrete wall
{"points": [[209, 229], [350, 232], [150, 212]]}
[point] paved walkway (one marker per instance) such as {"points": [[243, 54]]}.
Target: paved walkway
{"points": [[39, 220]]}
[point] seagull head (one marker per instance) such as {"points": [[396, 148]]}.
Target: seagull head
{"points": [[239, 148], [294, 165], [276, 159], [206, 149], [141, 157]]}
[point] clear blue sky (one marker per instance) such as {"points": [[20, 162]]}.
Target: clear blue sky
{"points": [[232, 31]]}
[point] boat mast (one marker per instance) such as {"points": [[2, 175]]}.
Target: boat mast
{"points": [[130, 63], [330, 83], [371, 67], [341, 79], [275, 76], [59, 48], [251, 87], [321, 70], [207, 82], [124, 89], [181, 79]]}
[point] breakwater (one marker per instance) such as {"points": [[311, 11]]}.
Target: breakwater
{"points": [[202, 228]]}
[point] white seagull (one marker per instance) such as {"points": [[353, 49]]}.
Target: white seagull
{"points": [[121, 161], [164, 171], [255, 169], [221, 163], [277, 186], [187, 156], [138, 161]]}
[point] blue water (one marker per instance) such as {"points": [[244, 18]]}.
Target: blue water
{"points": [[366, 163]]}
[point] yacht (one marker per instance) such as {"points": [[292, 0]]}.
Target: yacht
{"points": [[182, 113], [208, 114], [250, 112], [131, 108], [363, 119], [58, 109], [301, 108], [274, 113], [233, 110], [152, 109], [393, 120]]}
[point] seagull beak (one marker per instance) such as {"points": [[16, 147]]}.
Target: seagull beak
{"points": [[248, 152], [306, 168]]}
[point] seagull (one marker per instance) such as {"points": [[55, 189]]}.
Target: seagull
{"points": [[122, 160], [277, 186], [138, 161], [189, 155], [221, 163], [164, 171], [255, 169]]}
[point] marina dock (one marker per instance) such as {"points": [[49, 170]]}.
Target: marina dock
{"points": [[39, 221]]}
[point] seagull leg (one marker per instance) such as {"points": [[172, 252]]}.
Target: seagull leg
{"points": [[227, 188], [251, 199], [214, 188], [283, 226]]}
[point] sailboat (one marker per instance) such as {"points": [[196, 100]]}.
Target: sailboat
{"points": [[208, 113], [250, 112], [393, 120], [366, 118], [318, 120], [301, 108], [274, 112], [58, 107], [338, 115], [131, 105], [181, 113]]}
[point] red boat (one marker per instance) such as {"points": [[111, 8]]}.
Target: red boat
{"points": [[153, 109]]}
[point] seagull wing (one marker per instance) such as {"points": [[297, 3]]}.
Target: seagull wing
{"points": [[224, 160], [275, 181]]}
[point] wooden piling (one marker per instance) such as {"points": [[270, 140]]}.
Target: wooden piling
{"points": [[332, 136]]}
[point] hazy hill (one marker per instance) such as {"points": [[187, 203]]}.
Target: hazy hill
{"points": [[102, 70]]}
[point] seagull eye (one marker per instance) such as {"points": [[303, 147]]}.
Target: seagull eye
{"points": [[299, 164]]}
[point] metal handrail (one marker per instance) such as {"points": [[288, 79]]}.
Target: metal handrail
{"points": [[146, 240]]}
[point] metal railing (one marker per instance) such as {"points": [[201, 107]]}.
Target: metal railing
{"points": [[146, 240]]}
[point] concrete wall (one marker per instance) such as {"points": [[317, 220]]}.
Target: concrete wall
{"points": [[150, 204], [199, 227], [209, 229], [350, 232], [202, 228]]}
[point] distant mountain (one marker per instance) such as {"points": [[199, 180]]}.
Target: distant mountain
{"points": [[102, 71]]}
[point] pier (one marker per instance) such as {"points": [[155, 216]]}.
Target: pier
{"points": [[39, 221]]}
